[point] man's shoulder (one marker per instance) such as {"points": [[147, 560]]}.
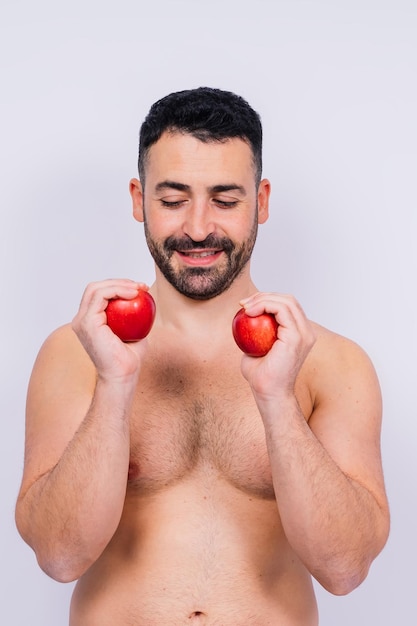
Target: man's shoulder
{"points": [[337, 363], [332, 345], [63, 339], [62, 350]]}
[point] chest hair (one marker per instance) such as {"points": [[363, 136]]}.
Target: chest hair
{"points": [[195, 418]]}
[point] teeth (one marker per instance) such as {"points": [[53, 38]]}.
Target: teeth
{"points": [[197, 255]]}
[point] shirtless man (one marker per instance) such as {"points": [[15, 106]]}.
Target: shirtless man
{"points": [[179, 481]]}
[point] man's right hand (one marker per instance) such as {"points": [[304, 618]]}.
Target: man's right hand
{"points": [[113, 359]]}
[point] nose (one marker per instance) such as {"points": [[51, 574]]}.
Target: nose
{"points": [[199, 222]]}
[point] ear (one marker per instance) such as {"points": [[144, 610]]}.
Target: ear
{"points": [[136, 192], [264, 191]]}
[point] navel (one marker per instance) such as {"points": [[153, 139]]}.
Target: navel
{"points": [[196, 614]]}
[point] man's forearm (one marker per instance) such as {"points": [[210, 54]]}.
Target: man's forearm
{"points": [[335, 525], [70, 513]]}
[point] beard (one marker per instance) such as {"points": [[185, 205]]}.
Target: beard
{"points": [[202, 283]]}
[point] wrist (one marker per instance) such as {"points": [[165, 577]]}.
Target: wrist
{"points": [[116, 389], [278, 406]]}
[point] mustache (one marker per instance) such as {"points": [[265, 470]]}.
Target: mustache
{"points": [[186, 243]]}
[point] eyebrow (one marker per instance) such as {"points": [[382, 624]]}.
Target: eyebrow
{"points": [[232, 187], [171, 184]]}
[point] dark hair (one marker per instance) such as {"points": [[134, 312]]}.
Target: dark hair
{"points": [[207, 114]]}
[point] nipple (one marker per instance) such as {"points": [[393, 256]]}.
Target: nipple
{"points": [[133, 471]]}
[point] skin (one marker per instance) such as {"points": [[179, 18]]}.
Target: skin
{"points": [[179, 480]]}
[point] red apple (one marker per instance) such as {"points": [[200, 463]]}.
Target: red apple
{"points": [[254, 335], [131, 320]]}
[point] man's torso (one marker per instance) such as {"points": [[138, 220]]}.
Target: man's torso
{"points": [[200, 539]]}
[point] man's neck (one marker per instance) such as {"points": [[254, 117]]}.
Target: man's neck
{"points": [[182, 312]]}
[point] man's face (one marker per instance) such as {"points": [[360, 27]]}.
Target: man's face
{"points": [[200, 211]]}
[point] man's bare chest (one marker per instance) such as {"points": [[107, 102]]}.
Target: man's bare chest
{"points": [[195, 419]]}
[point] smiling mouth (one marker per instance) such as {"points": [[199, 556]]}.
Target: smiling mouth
{"points": [[199, 257], [195, 254]]}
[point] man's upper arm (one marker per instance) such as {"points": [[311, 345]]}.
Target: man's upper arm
{"points": [[59, 395], [347, 412]]}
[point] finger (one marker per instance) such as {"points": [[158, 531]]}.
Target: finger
{"points": [[284, 307], [98, 294], [256, 301], [288, 313]]}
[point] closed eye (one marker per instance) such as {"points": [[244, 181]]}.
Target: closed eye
{"points": [[226, 204], [172, 204]]}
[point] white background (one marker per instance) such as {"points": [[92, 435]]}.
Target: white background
{"points": [[335, 84]]}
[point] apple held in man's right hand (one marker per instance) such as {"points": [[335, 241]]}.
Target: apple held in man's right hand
{"points": [[255, 336], [131, 320]]}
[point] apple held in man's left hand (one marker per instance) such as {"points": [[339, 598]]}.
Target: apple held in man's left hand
{"points": [[131, 320], [255, 336]]}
